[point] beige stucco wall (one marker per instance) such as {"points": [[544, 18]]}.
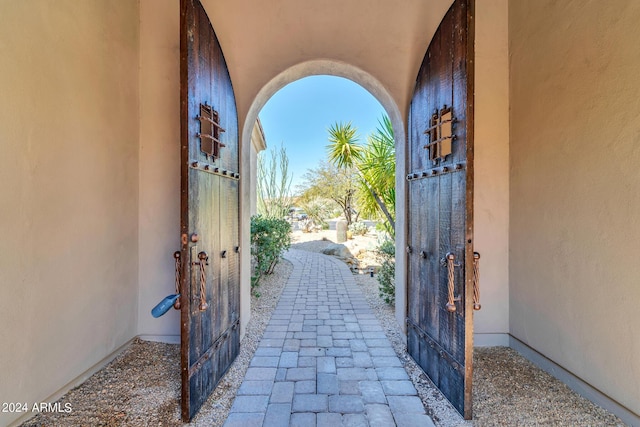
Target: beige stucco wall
{"points": [[159, 219], [491, 189], [69, 190], [258, 144], [575, 186]]}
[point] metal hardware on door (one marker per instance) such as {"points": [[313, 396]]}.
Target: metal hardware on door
{"points": [[176, 256], [195, 237], [210, 131], [440, 134], [423, 254], [203, 257], [409, 249], [237, 249], [451, 299], [476, 281], [223, 254]]}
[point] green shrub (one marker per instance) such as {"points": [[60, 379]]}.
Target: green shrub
{"points": [[358, 228], [270, 237], [387, 272]]}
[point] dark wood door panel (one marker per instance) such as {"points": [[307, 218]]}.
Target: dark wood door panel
{"points": [[440, 214], [209, 211]]}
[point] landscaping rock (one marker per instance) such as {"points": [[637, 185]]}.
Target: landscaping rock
{"points": [[338, 250]]}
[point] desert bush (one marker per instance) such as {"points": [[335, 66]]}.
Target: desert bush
{"points": [[270, 237], [358, 228], [308, 226], [387, 273], [317, 210]]}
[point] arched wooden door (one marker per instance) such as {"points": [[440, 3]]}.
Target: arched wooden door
{"points": [[440, 210], [209, 228]]}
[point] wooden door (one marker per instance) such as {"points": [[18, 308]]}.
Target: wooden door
{"points": [[210, 297], [440, 210]]}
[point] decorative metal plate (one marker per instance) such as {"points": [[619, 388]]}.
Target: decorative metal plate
{"points": [[210, 131], [440, 134]]}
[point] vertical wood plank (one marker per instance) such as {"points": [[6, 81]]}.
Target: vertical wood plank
{"points": [[225, 210], [188, 40], [432, 244]]}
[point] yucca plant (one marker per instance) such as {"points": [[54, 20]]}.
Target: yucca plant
{"points": [[344, 150], [375, 165]]}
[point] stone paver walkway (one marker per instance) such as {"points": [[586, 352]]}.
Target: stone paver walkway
{"points": [[324, 360]]}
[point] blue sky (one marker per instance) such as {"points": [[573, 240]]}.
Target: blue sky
{"points": [[299, 114]]}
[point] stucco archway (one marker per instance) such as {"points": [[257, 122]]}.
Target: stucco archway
{"points": [[377, 89]]}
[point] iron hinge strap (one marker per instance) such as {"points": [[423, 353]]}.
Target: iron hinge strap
{"points": [[216, 345], [444, 354]]}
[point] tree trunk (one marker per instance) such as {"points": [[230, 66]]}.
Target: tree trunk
{"points": [[383, 208]]}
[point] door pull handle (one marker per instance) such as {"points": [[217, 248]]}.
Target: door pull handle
{"points": [[476, 281], [451, 298], [204, 261], [178, 265]]}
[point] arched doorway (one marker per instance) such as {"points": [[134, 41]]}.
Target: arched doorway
{"points": [[378, 91]]}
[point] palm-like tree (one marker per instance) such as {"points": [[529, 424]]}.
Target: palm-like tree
{"points": [[377, 169], [375, 164], [344, 150], [344, 153]]}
